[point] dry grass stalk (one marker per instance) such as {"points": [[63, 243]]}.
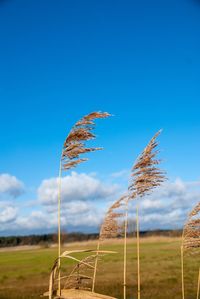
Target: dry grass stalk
{"points": [[80, 277], [52, 278], [73, 147], [113, 226], [145, 176], [77, 278], [198, 285], [190, 241]]}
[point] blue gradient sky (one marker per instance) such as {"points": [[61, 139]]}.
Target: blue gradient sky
{"points": [[59, 60]]}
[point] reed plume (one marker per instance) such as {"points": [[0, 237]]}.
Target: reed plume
{"points": [[113, 226], [73, 148], [145, 176], [191, 233], [74, 145], [191, 241], [145, 173]]}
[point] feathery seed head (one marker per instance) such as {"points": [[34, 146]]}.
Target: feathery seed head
{"points": [[74, 145], [112, 226], [145, 173], [191, 231]]}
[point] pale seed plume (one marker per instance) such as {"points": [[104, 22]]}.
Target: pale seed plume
{"points": [[74, 145], [191, 231], [145, 174], [112, 226]]}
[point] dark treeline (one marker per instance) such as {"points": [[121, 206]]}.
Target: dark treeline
{"points": [[48, 239], [165, 233]]}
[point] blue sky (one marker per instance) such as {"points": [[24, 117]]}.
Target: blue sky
{"points": [[60, 60]]}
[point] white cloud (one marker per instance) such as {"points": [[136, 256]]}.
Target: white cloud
{"points": [[74, 216], [10, 188], [72, 207], [83, 203], [36, 221], [75, 187], [7, 214], [85, 200], [10, 185], [168, 206]]}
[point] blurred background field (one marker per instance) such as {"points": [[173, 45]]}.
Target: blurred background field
{"points": [[24, 273]]}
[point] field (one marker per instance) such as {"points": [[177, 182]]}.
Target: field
{"points": [[25, 273]]}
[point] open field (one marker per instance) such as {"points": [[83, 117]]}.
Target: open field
{"points": [[25, 273]]}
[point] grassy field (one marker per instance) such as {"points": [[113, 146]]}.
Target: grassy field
{"points": [[25, 273]]}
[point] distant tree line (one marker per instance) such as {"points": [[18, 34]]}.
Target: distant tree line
{"points": [[48, 239]]}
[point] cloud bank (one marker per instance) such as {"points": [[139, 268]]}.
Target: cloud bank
{"points": [[169, 206], [75, 187], [85, 199]]}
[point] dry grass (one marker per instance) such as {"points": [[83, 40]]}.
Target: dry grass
{"points": [[145, 177], [73, 148], [113, 226]]}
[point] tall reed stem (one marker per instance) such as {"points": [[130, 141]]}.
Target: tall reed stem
{"points": [[198, 286], [125, 247], [95, 267], [182, 274], [59, 229], [138, 248]]}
